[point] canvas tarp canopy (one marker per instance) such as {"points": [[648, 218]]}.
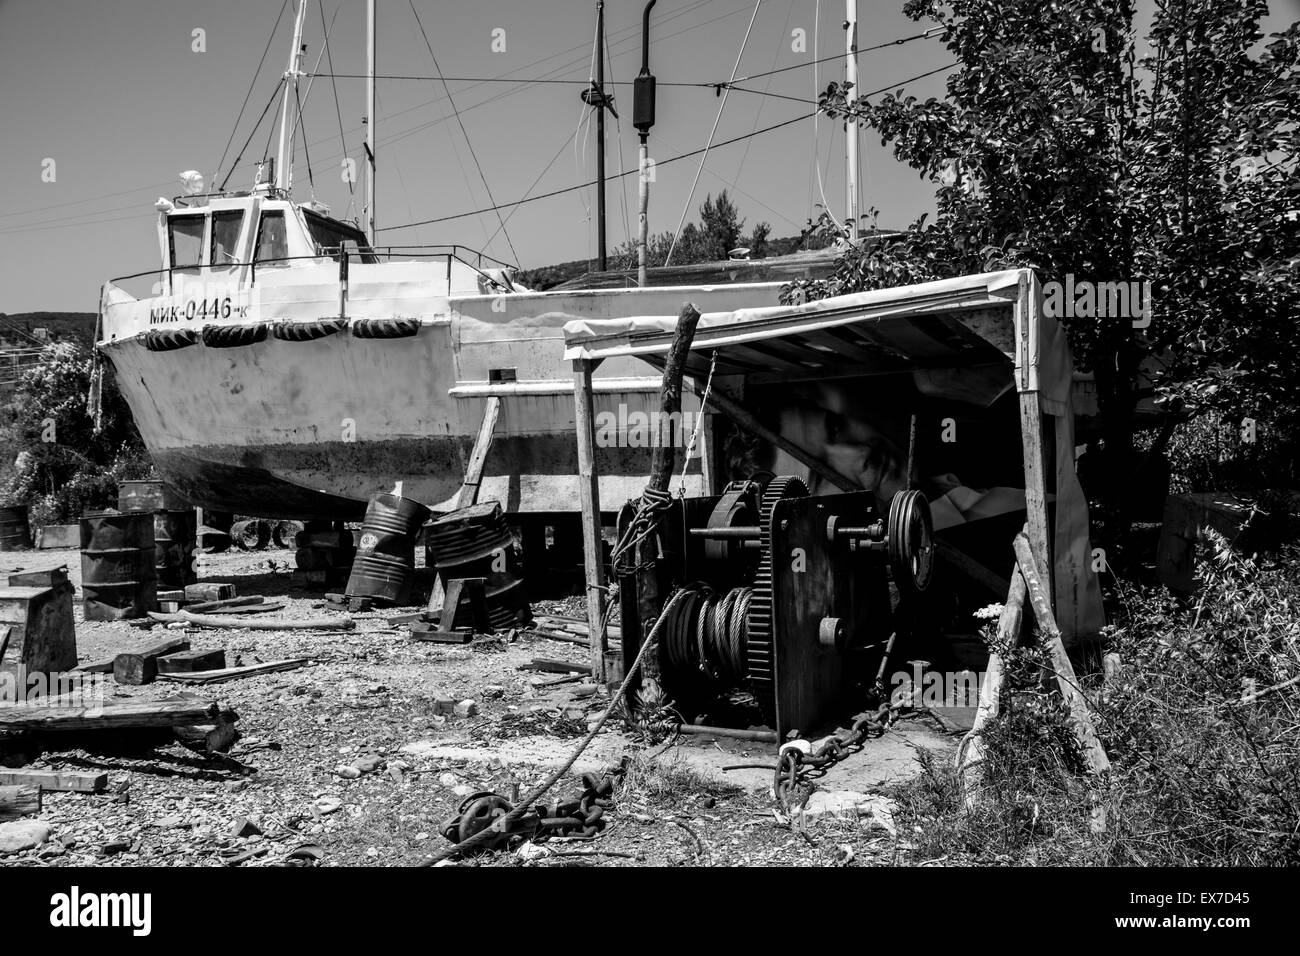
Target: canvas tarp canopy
{"points": [[950, 335]]}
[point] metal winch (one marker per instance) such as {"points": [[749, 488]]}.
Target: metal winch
{"points": [[785, 596]]}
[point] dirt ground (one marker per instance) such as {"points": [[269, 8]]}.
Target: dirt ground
{"points": [[373, 691]]}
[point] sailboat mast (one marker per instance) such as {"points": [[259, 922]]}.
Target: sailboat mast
{"points": [[284, 155], [371, 119], [851, 128]]}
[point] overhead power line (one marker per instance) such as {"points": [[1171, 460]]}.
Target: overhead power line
{"points": [[658, 163]]}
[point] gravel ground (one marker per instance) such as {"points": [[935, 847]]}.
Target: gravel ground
{"points": [[372, 696]]}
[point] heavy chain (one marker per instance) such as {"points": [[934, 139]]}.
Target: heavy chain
{"points": [[798, 761]]}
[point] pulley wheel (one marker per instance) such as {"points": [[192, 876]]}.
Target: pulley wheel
{"points": [[911, 541], [480, 815]]}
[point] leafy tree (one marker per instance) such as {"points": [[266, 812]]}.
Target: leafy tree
{"points": [[62, 464], [1067, 144]]}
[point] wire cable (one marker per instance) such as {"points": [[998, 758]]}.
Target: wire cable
{"points": [[256, 73], [712, 132]]}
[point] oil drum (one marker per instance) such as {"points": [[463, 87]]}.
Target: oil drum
{"points": [[385, 559], [118, 577], [476, 542], [174, 535], [15, 533]]}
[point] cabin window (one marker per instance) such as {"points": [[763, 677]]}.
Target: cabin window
{"points": [[185, 234], [272, 242], [226, 227], [331, 236]]}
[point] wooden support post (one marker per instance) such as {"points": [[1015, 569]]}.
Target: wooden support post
{"points": [[1031, 434], [589, 498], [971, 751], [1066, 681], [468, 494], [746, 420]]}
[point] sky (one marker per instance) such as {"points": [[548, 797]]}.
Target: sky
{"points": [[115, 94]]}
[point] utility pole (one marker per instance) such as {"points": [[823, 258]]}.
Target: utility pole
{"points": [[851, 128], [595, 97], [643, 117], [371, 120]]}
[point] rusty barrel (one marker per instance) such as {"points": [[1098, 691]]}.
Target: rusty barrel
{"points": [[15, 532], [118, 577], [476, 542], [174, 536], [385, 560]]}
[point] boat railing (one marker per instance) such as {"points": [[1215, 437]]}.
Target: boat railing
{"points": [[163, 276]]}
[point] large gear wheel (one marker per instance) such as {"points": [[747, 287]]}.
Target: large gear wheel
{"points": [[759, 651]]}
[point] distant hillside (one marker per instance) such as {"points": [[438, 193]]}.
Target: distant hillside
{"points": [[16, 329]]}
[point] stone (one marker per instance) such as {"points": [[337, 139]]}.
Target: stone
{"points": [[326, 805], [448, 780], [347, 772], [462, 790], [115, 846], [245, 827], [369, 763], [850, 803], [494, 692], [467, 708], [22, 835]]}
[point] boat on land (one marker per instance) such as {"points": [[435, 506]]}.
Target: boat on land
{"points": [[280, 363]]}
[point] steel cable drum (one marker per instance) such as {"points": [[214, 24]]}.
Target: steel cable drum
{"points": [[118, 576], [15, 532], [385, 558], [175, 534]]}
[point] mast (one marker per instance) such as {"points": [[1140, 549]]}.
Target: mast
{"points": [[371, 119], [284, 155], [851, 128]]}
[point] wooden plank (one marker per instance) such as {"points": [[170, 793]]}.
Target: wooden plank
{"points": [[97, 667], [468, 494], [205, 606], [234, 673], [141, 666], [185, 662], [554, 667], [1031, 434], [1066, 681], [55, 781], [106, 717], [18, 802], [589, 499], [216, 620]]}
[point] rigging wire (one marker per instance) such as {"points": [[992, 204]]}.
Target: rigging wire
{"points": [[664, 162], [338, 110], [758, 113], [464, 132], [712, 132], [253, 83], [235, 164]]}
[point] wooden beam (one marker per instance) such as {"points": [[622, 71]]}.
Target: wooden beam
{"points": [[746, 420], [234, 673], [1031, 434], [468, 494], [107, 717], [186, 662], [1066, 681], [970, 753], [589, 500], [141, 666], [55, 781]]}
